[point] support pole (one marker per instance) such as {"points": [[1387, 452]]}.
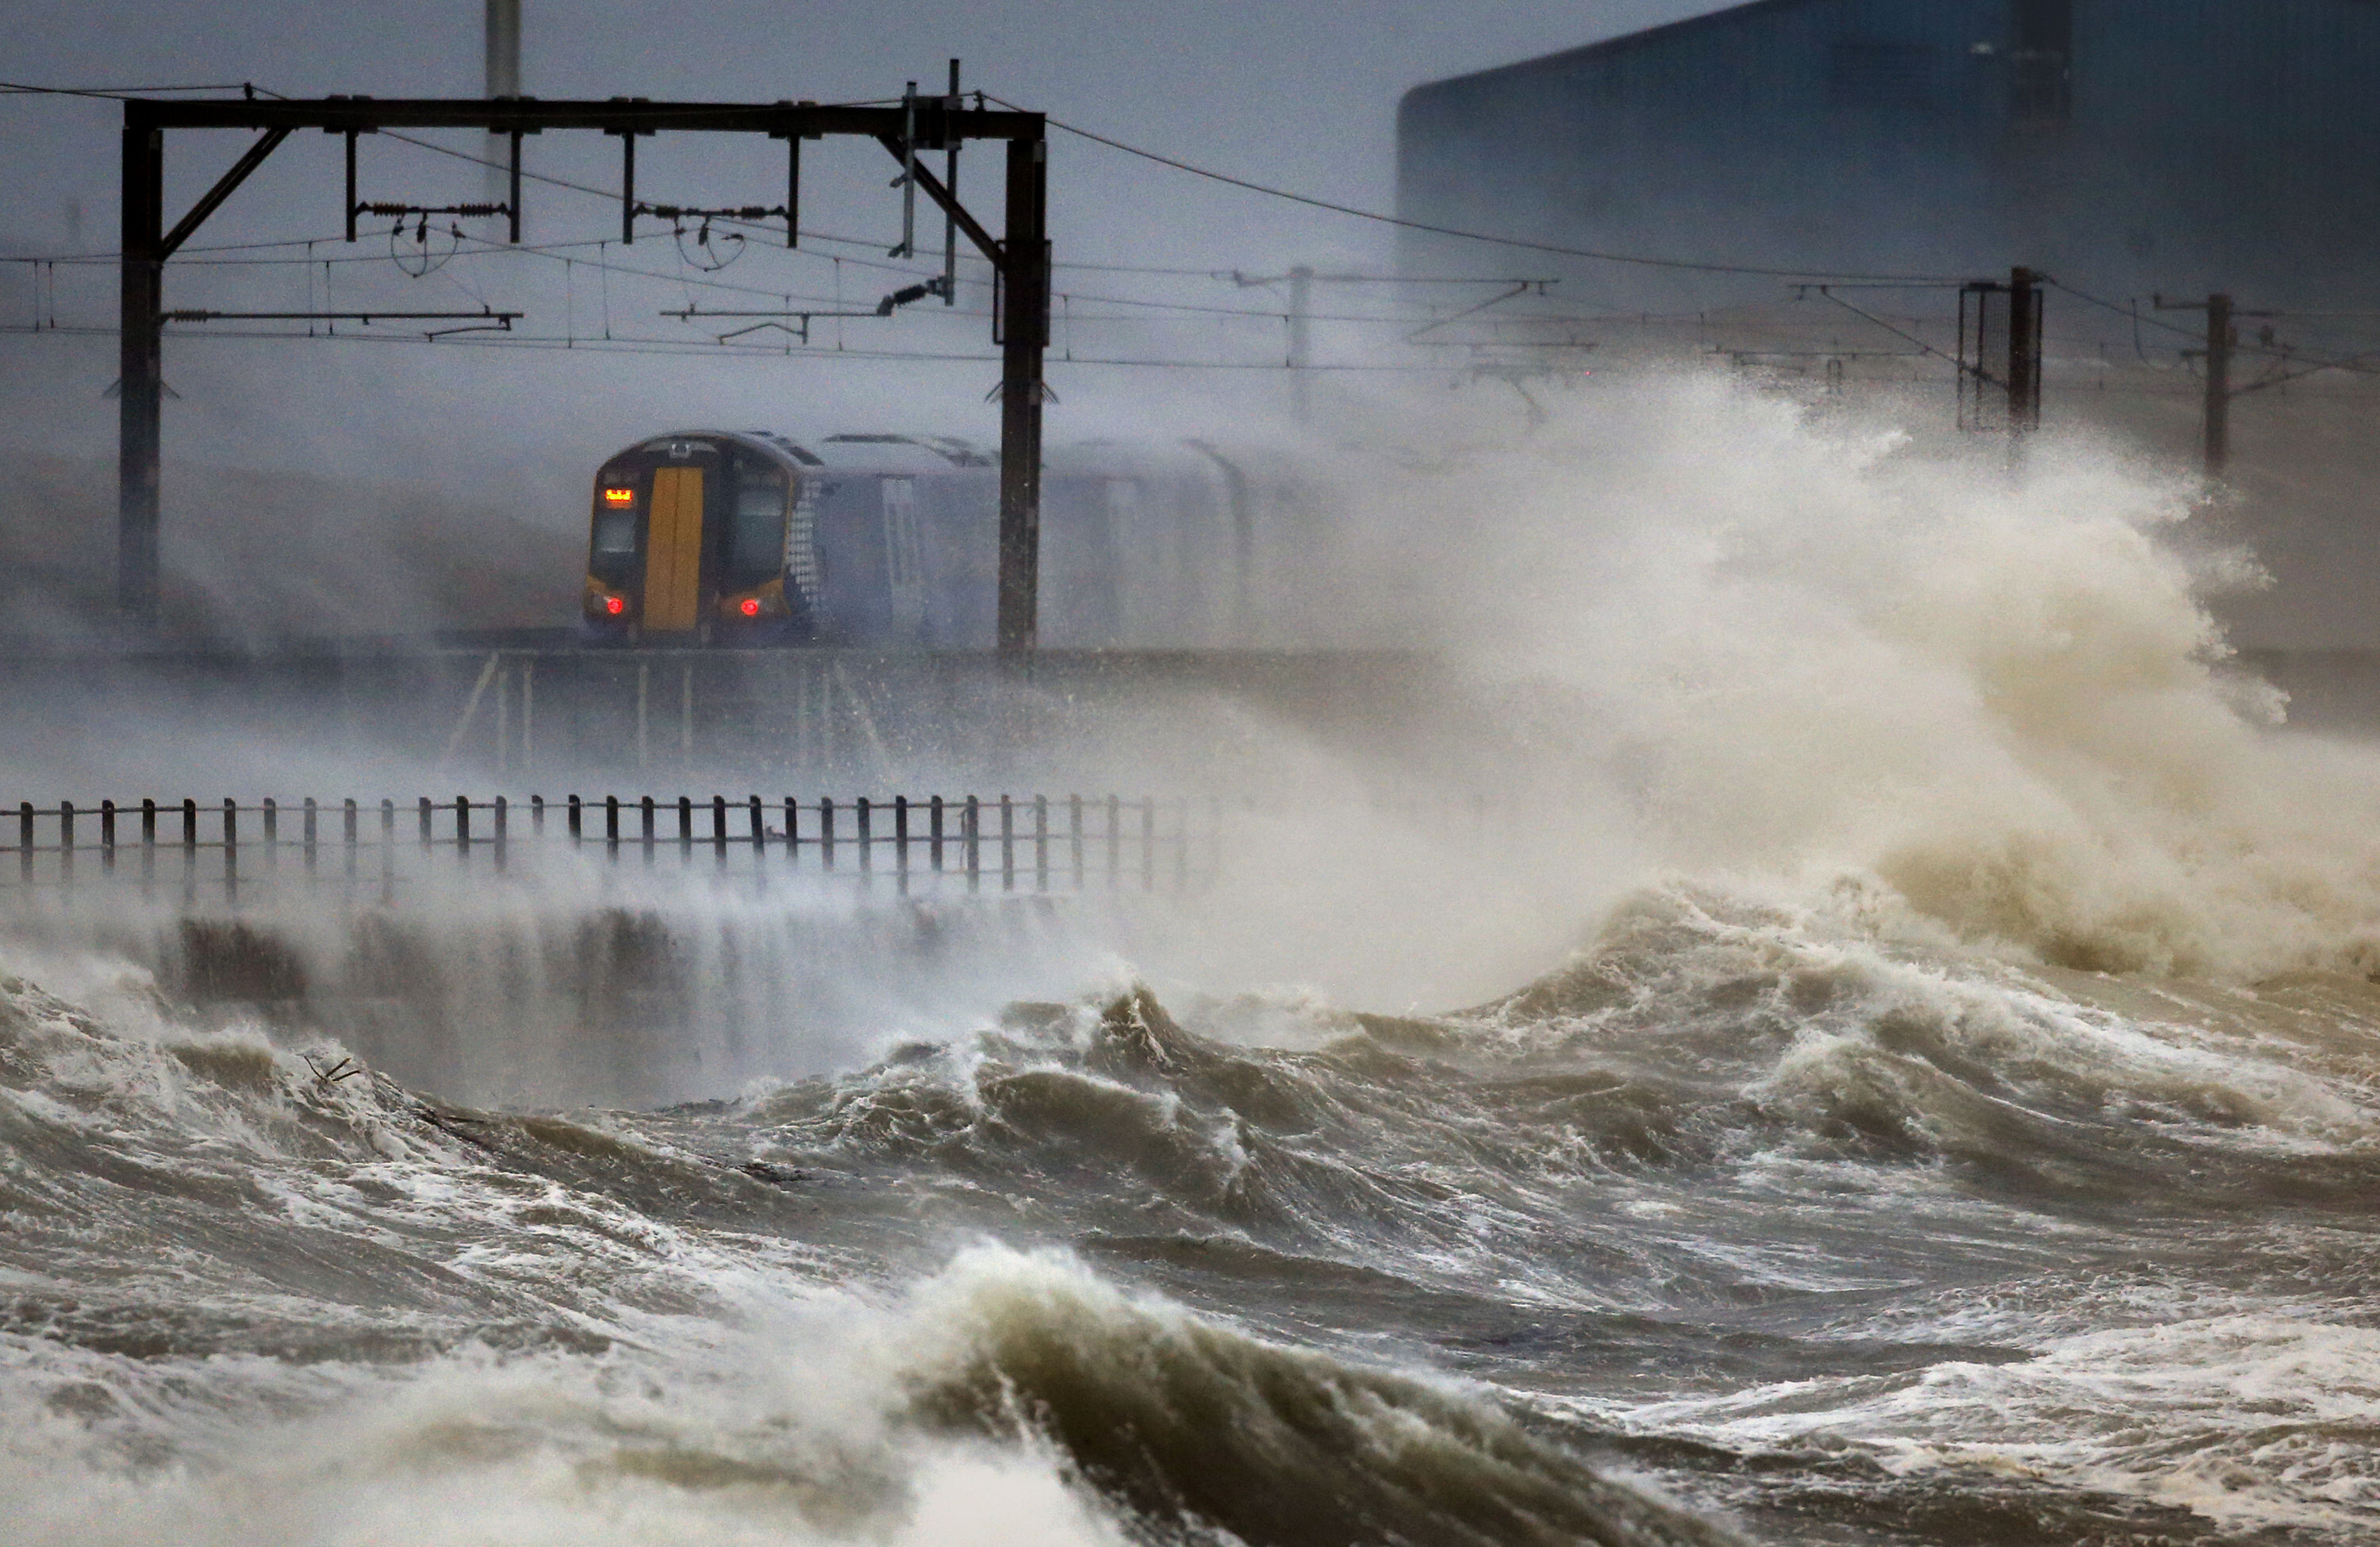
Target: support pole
{"points": [[1301, 305], [792, 191], [628, 187], [2218, 384], [2024, 351], [139, 369], [951, 185], [908, 248], [1024, 305]]}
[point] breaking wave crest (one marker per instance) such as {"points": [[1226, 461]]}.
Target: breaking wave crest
{"points": [[1200, 1427], [379, 1314], [2007, 702]]}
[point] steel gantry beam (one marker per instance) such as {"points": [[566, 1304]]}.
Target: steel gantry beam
{"points": [[1020, 257]]}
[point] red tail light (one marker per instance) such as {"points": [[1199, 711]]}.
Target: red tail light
{"points": [[615, 605], [749, 606]]}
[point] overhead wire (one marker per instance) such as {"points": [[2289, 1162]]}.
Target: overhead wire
{"points": [[903, 268], [2355, 364], [113, 93], [1422, 315], [690, 348], [1897, 333], [482, 247], [1522, 244]]}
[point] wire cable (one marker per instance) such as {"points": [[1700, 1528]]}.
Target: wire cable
{"points": [[114, 94], [1922, 346], [2309, 364], [1599, 255]]}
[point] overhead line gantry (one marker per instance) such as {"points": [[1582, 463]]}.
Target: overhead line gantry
{"points": [[1020, 257]]}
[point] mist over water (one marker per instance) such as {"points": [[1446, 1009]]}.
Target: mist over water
{"points": [[1855, 1025]]}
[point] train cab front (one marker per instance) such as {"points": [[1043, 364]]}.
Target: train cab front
{"points": [[610, 612], [686, 546]]}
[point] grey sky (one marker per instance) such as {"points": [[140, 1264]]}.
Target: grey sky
{"points": [[1299, 91]]}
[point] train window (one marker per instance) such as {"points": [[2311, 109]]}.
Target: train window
{"points": [[615, 531], [905, 568], [757, 541]]}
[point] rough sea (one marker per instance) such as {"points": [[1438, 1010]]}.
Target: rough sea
{"points": [[1950, 1115]]}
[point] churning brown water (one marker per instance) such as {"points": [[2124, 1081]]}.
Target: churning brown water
{"points": [[1957, 1128]]}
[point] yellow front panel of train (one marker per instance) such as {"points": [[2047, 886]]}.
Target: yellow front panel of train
{"points": [[674, 551]]}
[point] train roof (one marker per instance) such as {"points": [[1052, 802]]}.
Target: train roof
{"points": [[846, 453], [897, 454]]}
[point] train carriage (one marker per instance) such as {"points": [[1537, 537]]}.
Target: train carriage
{"points": [[751, 538]]}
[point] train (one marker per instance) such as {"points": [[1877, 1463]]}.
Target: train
{"points": [[751, 538]]}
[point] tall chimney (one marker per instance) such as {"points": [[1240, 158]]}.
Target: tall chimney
{"points": [[503, 81], [504, 48]]}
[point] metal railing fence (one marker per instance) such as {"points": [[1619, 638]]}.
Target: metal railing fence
{"points": [[934, 845]]}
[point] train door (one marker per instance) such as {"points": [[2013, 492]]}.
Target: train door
{"points": [[673, 552], [904, 560]]}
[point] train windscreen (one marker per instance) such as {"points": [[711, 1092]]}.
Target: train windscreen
{"points": [[615, 531], [756, 536]]}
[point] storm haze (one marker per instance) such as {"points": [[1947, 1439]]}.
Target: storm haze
{"points": [[1677, 850]]}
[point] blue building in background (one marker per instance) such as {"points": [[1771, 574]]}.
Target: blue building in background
{"points": [[2123, 146]]}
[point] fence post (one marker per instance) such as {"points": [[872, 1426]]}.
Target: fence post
{"points": [[537, 816], [645, 810], [148, 843], [719, 830], [759, 829], [388, 849], [65, 842], [935, 846], [1040, 842], [1148, 843], [272, 833], [347, 815], [866, 844], [971, 834], [462, 827], [826, 831], [424, 810], [231, 849], [307, 828], [25, 841], [685, 822], [107, 835], [1007, 844], [901, 840], [190, 849], [793, 832], [576, 822], [502, 811]]}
